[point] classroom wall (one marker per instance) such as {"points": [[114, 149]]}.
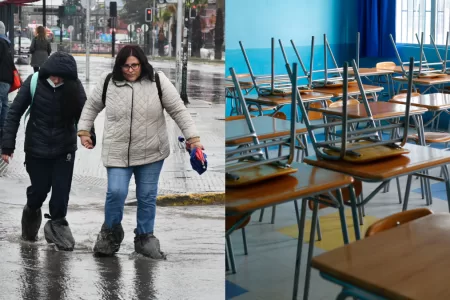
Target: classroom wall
{"points": [[255, 22]]}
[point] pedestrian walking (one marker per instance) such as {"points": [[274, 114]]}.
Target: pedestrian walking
{"points": [[135, 142], [55, 98], [7, 68], [40, 49]]}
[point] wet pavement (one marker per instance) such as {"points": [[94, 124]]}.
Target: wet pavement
{"points": [[191, 236]]}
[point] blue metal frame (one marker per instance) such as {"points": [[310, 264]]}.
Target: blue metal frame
{"points": [[349, 290]]}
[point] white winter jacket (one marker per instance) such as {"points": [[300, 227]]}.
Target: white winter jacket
{"points": [[135, 130]]}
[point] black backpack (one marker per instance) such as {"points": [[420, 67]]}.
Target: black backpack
{"points": [[108, 78]]}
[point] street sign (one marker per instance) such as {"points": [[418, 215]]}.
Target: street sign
{"points": [[70, 10], [130, 27], [70, 28], [92, 28], [144, 27]]}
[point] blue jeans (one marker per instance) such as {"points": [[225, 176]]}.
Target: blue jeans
{"points": [[4, 106], [147, 177]]}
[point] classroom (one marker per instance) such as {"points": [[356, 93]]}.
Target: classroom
{"points": [[336, 136]]}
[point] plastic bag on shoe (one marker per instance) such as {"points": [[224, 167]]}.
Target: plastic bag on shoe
{"points": [[58, 232], [148, 245], [109, 240]]}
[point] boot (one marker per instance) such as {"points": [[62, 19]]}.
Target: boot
{"points": [[31, 222], [58, 232], [109, 240], [148, 245]]}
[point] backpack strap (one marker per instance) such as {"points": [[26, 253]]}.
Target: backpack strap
{"points": [[33, 85], [158, 85], [105, 87]]}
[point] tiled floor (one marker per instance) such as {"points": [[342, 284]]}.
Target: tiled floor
{"points": [[267, 271]]}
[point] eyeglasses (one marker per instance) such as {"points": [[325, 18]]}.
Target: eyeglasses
{"points": [[132, 66]]}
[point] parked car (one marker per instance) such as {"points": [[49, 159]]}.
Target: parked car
{"points": [[25, 44]]}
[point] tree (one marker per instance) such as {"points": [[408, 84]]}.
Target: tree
{"points": [[219, 34], [133, 11]]}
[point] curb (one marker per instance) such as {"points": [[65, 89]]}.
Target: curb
{"points": [[186, 200]]}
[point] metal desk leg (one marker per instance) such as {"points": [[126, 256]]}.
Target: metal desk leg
{"points": [[447, 183], [230, 251], [399, 190], [310, 250], [301, 229], [342, 217], [354, 212], [407, 191]]}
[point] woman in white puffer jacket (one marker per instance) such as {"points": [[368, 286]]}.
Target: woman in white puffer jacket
{"points": [[135, 141]]}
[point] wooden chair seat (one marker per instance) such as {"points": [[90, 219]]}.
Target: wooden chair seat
{"points": [[345, 195], [256, 174], [374, 153], [231, 220], [403, 95], [396, 220], [385, 65], [252, 108], [432, 137]]}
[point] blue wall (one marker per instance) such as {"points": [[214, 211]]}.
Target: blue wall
{"points": [[255, 22]]}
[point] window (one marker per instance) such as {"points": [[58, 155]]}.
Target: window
{"points": [[432, 17]]}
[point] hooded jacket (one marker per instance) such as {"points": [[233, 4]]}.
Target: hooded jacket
{"points": [[6, 57], [48, 134]]}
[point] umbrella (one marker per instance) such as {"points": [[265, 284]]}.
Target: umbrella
{"points": [[198, 157]]}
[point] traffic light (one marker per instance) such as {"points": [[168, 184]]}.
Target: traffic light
{"points": [[148, 15], [60, 11], [193, 12], [58, 23], [109, 23]]}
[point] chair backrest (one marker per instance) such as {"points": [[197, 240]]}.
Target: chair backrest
{"points": [[315, 115], [340, 103], [385, 65], [230, 221], [279, 115], [397, 219], [404, 95], [271, 84], [345, 147], [234, 157]]}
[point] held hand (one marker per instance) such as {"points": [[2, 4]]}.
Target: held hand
{"points": [[86, 142], [197, 145], [6, 158], [190, 146]]}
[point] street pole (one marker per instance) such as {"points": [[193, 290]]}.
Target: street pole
{"points": [[44, 14], [178, 44], [152, 28], [88, 46], [183, 93], [113, 37]]}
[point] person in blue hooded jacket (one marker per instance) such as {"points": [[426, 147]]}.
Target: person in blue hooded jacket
{"points": [[6, 75]]}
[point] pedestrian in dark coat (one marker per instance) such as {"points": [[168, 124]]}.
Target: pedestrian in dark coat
{"points": [[50, 145], [40, 49]]}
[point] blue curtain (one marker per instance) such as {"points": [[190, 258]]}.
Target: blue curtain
{"points": [[376, 21]]}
